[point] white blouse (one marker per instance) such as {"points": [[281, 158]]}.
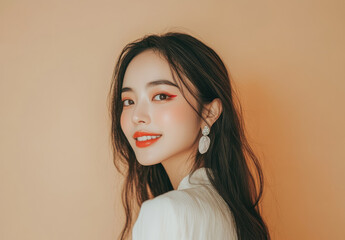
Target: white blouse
{"points": [[194, 211]]}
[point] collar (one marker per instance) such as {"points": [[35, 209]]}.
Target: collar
{"points": [[199, 177]]}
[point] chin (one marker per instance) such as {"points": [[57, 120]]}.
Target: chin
{"points": [[148, 162]]}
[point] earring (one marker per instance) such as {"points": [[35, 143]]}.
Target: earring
{"points": [[204, 142]]}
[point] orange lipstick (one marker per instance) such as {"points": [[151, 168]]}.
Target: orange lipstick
{"points": [[145, 143]]}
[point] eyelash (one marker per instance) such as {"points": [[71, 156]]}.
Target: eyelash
{"points": [[167, 95]]}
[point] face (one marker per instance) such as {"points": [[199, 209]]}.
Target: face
{"points": [[152, 103]]}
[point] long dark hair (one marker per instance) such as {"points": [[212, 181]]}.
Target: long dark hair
{"points": [[230, 157]]}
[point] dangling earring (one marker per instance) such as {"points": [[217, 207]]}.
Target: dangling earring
{"points": [[204, 142]]}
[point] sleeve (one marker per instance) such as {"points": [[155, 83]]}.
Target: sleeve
{"points": [[157, 220]]}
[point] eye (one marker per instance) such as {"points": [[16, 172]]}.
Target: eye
{"points": [[158, 97], [163, 96], [124, 102]]}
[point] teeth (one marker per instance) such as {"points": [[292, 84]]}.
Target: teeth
{"points": [[144, 138]]}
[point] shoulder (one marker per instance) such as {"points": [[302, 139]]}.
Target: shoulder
{"points": [[172, 199], [157, 219], [177, 203], [162, 209], [160, 205], [188, 206], [184, 214]]}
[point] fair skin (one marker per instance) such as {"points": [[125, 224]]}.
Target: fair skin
{"points": [[162, 109]]}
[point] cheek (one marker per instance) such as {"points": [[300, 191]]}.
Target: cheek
{"points": [[176, 115], [125, 123]]}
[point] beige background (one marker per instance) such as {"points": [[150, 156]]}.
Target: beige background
{"points": [[287, 59]]}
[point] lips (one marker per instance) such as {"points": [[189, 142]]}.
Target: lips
{"points": [[146, 143], [141, 134]]}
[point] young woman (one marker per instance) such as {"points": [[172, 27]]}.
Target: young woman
{"points": [[180, 138]]}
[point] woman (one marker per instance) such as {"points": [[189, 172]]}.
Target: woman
{"points": [[177, 132]]}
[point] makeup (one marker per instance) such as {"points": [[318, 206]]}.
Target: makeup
{"points": [[169, 97], [157, 110], [145, 139], [146, 143]]}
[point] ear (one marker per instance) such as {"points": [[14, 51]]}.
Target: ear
{"points": [[211, 112]]}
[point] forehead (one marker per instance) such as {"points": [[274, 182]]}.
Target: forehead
{"points": [[146, 67], [150, 66]]}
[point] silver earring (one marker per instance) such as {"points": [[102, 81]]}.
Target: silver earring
{"points": [[204, 142]]}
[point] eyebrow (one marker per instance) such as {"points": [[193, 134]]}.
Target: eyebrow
{"points": [[152, 84]]}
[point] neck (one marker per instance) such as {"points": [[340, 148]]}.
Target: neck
{"points": [[178, 167]]}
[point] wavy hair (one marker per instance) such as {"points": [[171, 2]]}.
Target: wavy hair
{"points": [[235, 170]]}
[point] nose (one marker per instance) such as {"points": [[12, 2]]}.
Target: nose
{"points": [[141, 114]]}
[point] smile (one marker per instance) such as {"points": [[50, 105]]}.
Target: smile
{"points": [[146, 141], [144, 138]]}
